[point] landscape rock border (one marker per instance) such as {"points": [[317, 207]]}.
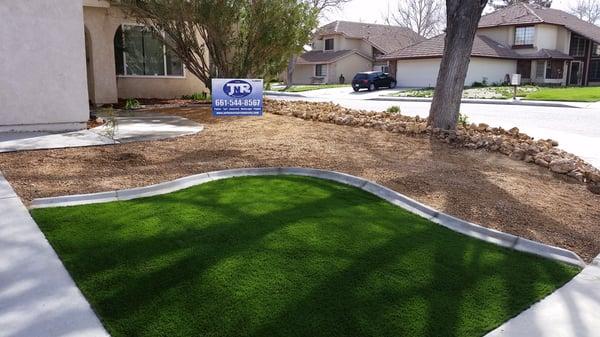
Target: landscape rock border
{"points": [[512, 142], [464, 227]]}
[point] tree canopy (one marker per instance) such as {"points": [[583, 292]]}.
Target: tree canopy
{"points": [[229, 38]]}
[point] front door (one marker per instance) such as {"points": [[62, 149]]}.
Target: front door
{"points": [[575, 73]]}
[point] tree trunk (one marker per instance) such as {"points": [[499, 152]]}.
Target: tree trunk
{"points": [[290, 71], [462, 20]]}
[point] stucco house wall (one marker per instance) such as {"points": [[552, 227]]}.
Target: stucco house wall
{"points": [[42, 65], [101, 24], [423, 72], [349, 66], [303, 73]]}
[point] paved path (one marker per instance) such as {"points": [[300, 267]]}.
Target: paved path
{"points": [[140, 127], [38, 298], [576, 129], [571, 311]]}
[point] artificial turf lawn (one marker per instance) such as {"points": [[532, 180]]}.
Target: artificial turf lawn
{"points": [[573, 94], [288, 256]]}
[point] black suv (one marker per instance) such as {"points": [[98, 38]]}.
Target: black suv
{"points": [[373, 80]]}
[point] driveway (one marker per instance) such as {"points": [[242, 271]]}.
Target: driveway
{"points": [[576, 129]]}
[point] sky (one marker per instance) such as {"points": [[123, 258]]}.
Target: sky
{"points": [[374, 11]]}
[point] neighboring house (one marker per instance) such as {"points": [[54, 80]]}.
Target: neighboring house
{"points": [[544, 45], [57, 57], [345, 48]]}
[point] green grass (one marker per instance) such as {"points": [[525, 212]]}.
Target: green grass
{"points": [[310, 87], [288, 256], [573, 94]]}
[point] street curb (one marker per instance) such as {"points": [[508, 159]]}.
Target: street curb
{"points": [[279, 93], [411, 205], [480, 101]]}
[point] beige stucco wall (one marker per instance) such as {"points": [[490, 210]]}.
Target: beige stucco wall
{"points": [[42, 65], [423, 72], [502, 34], [349, 66], [101, 24], [303, 73]]}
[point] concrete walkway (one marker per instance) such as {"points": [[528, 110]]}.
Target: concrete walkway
{"points": [[140, 127], [38, 298], [571, 311]]}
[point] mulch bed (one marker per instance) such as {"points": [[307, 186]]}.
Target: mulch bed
{"points": [[482, 187]]}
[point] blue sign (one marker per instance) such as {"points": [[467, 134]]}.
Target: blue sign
{"points": [[237, 97]]}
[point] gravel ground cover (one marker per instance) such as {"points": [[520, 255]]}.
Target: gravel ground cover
{"points": [[486, 188]]}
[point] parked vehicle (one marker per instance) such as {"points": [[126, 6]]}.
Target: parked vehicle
{"points": [[373, 80]]}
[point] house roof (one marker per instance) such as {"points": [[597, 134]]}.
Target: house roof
{"points": [[483, 46], [523, 13], [386, 38], [319, 56]]}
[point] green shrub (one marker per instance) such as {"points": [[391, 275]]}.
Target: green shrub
{"points": [[394, 109], [197, 96], [463, 119], [132, 103]]}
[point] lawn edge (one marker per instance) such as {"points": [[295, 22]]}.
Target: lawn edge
{"points": [[458, 225]]}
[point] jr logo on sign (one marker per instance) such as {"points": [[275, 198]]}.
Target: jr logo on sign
{"points": [[237, 88]]}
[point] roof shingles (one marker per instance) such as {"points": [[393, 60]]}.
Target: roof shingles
{"points": [[518, 14], [386, 38]]}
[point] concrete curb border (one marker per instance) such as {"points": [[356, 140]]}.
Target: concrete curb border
{"points": [[411, 205], [481, 101]]}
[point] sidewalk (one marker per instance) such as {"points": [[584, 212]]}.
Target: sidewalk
{"points": [[140, 126], [38, 298], [571, 311]]}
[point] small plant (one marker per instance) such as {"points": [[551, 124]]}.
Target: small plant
{"points": [[463, 119], [394, 109], [197, 96], [132, 103], [111, 125]]}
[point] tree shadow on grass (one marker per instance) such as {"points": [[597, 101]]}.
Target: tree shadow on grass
{"points": [[293, 269]]}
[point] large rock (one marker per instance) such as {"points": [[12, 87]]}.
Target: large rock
{"points": [[562, 165]]}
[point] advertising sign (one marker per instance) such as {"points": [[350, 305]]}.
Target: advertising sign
{"points": [[237, 97]]}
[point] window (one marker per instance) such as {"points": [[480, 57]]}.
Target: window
{"points": [[554, 69], [594, 75], [328, 44], [540, 68], [320, 70], [139, 53], [577, 45], [595, 50], [524, 36], [524, 68]]}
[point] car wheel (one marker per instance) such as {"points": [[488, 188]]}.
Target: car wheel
{"points": [[356, 89], [392, 84], [372, 87]]}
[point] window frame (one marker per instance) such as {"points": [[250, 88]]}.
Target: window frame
{"points": [[332, 44], [164, 49], [580, 39], [323, 69], [524, 45], [548, 75], [594, 67], [529, 72]]}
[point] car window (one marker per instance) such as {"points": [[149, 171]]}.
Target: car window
{"points": [[361, 77]]}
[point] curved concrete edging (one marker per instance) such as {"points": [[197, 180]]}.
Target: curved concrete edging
{"points": [[411, 205]]}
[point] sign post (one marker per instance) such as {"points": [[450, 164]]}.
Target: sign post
{"points": [[237, 97], [515, 80]]}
